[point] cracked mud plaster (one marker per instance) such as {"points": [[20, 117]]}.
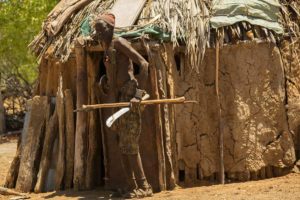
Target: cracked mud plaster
{"points": [[291, 61], [252, 88]]}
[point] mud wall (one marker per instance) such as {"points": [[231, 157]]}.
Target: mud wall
{"points": [[290, 52], [256, 134]]}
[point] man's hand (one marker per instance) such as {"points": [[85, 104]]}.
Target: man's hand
{"points": [[135, 104]]}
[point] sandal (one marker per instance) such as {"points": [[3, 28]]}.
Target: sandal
{"points": [[147, 191], [136, 193]]}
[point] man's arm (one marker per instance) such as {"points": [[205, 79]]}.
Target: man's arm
{"points": [[125, 47]]}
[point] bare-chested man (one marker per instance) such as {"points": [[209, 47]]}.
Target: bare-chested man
{"points": [[126, 87]]}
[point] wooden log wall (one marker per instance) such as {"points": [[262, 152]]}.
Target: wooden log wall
{"points": [[49, 72], [58, 164], [49, 128]]}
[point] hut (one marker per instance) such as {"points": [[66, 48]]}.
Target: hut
{"points": [[239, 60]]}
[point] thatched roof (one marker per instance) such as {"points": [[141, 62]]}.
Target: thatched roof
{"points": [[186, 20], [181, 18]]}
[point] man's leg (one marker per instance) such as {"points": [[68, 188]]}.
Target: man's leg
{"points": [[129, 173], [142, 182]]}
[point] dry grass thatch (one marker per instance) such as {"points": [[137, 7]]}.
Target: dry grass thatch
{"points": [[61, 44], [186, 20], [290, 17]]}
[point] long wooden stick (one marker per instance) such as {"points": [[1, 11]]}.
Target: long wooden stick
{"points": [[179, 100], [6, 191], [221, 136]]}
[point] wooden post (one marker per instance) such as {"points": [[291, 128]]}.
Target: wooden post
{"points": [[31, 149], [171, 69], [50, 135], [221, 133], [159, 132], [103, 137], [60, 167], [92, 166], [12, 175], [158, 121], [70, 138], [162, 84], [81, 119]]}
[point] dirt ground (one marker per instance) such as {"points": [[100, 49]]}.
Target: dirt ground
{"points": [[286, 187]]}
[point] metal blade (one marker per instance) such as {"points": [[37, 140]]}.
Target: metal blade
{"points": [[121, 112], [115, 116]]}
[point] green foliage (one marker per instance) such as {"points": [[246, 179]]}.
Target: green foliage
{"points": [[20, 21]]}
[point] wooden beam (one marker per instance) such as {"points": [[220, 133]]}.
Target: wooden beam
{"points": [[171, 70], [32, 146], [165, 113], [159, 132], [139, 47], [103, 137], [158, 121], [60, 167], [50, 135], [179, 100], [81, 119], [70, 138], [92, 127], [221, 133], [136, 46]]}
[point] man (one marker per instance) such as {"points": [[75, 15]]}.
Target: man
{"points": [[122, 80]]}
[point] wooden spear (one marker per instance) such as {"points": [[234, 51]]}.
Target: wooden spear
{"points": [[179, 100]]}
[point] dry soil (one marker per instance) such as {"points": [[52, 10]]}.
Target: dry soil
{"points": [[286, 187]]}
